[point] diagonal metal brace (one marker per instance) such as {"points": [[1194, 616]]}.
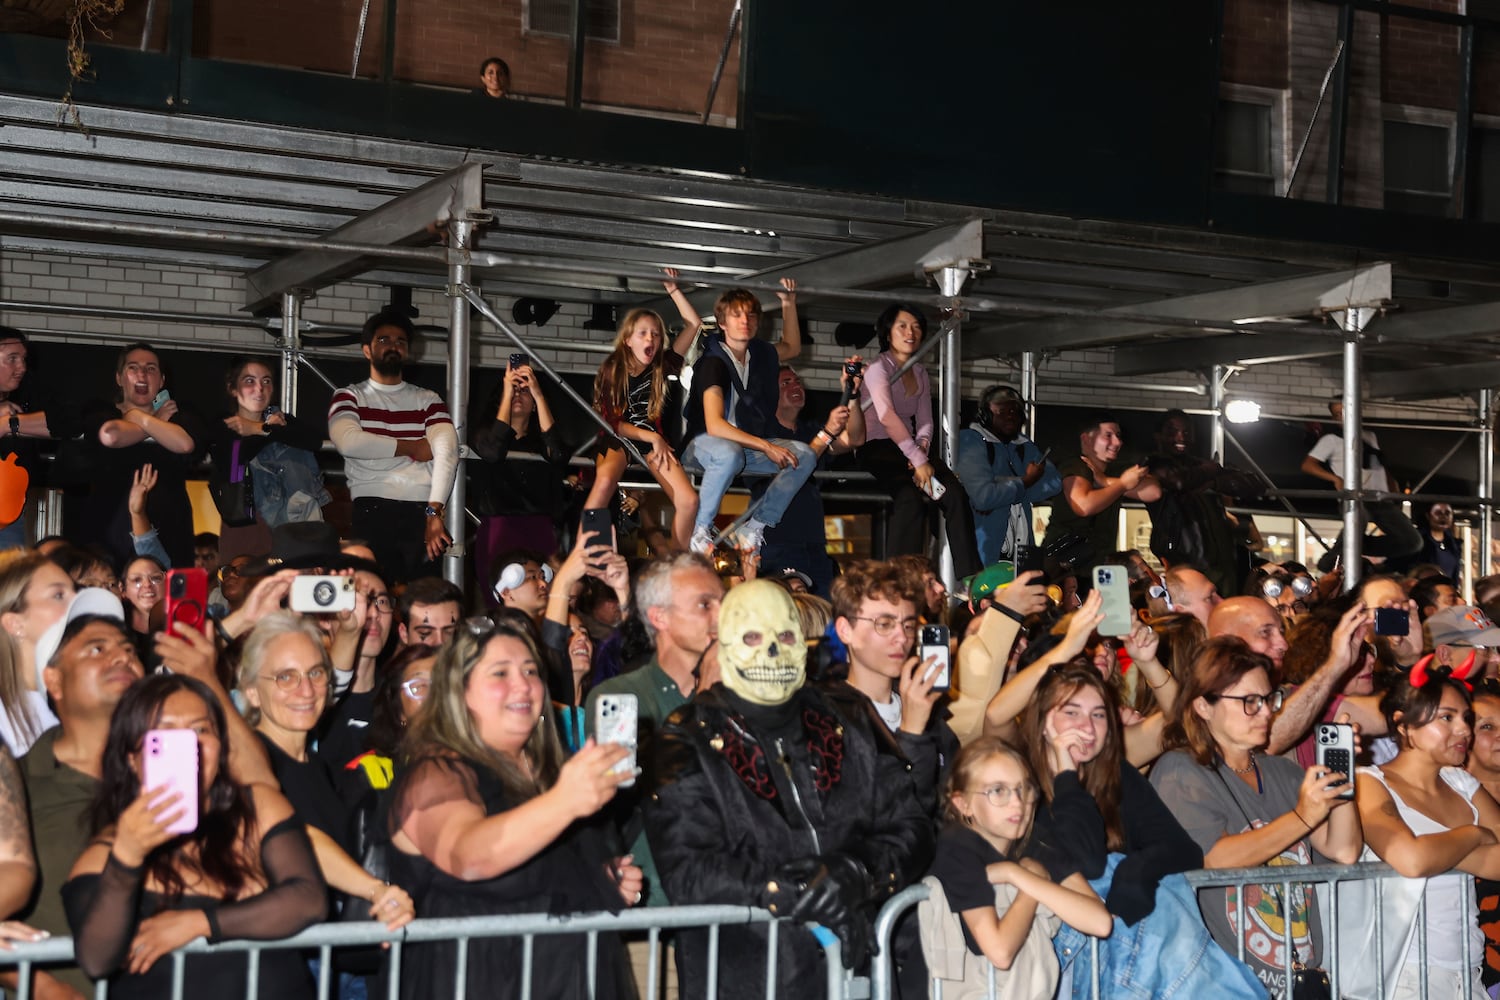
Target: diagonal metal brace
{"points": [[477, 301]]}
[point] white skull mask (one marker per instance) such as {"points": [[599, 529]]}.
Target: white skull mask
{"points": [[762, 657]]}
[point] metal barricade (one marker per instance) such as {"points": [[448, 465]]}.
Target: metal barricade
{"points": [[324, 938], [1329, 877]]}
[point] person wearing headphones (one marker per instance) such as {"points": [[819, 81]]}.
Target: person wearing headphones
{"points": [[1004, 473], [523, 583]]}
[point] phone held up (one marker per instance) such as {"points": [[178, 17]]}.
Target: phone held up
{"points": [[597, 522], [1334, 751], [187, 598], [934, 645], [1113, 585], [170, 763], [615, 722]]}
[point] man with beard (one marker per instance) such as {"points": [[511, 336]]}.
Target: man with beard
{"points": [[400, 454], [1004, 473], [1189, 525]]}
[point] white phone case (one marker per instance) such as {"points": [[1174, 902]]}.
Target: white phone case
{"points": [[934, 489], [615, 718]]}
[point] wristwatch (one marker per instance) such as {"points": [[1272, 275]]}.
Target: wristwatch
{"points": [[433, 510], [15, 425]]}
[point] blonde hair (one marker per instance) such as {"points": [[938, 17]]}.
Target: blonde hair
{"points": [[611, 385], [17, 567]]}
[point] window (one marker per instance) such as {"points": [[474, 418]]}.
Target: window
{"points": [[1417, 178], [555, 17], [1242, 161], [1484, 168]]}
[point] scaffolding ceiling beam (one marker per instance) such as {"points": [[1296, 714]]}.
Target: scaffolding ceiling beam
{"points": [[1429, 383], [1234, 349], [404, 219], [901, 258], [1438, 324], [1309, 295]]}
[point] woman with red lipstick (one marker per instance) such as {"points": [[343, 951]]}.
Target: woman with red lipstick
{"points": [[630, 392], [1425, 816], [1244, 807]]}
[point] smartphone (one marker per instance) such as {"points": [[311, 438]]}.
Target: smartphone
{"points": [[853, 370], [1113, 584], [170, 761], [519, 360], [597, 522], [615, 722], [160, 400], [321, 595], [1334, 750], [934, 489], [1028, 558], [934, 644], [1392, 621], [187, 598]]}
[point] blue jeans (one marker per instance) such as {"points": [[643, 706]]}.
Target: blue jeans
{"points": [[720, 460], [1169, 954]]}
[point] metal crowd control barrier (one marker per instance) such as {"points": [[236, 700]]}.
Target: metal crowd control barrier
{"points": [[324, 938], [882, 973]]}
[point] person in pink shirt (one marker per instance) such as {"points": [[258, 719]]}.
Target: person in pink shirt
{"points": [[898, 436]]}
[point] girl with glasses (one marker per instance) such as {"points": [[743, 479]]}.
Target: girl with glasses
{"points": [[280, 451], [1008, 891], [1244, 808]]}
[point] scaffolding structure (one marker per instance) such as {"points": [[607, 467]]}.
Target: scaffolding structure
{"points": [[436, 228]]}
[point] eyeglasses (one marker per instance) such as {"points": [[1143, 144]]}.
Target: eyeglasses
{"points": [[1251, 702], [114, 586], [155, 580], [382, 603], [885, 624], [416, 688], [1000, 795], [290, 680]]}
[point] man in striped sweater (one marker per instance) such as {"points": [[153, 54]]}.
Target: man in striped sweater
{"points": [[400, 454]]}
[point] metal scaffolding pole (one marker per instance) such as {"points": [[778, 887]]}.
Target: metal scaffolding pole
{"points": [[950, 283], [291, 346], [1028, 390], [1353, 321], [1486, 480], [460, 237], [1217, 376]]}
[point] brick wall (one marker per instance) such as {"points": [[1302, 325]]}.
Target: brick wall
{"points": [[1421, 59], [1254, 45]]}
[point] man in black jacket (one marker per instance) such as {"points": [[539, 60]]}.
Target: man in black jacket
{"points": [[768, 796]]}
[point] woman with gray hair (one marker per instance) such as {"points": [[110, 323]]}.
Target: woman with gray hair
{"points": [[284, 678], [485, 820]]}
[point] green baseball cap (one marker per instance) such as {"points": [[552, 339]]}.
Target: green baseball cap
{"points": [[990, 579]]}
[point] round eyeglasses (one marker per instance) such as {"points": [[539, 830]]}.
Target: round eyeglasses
{"points": [[1000, 795], [1251, 702]]}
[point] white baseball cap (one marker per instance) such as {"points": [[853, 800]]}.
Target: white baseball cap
{"points": [[88, 601]]}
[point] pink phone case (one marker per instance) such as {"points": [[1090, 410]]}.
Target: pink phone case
{"points": [[170, 759]]}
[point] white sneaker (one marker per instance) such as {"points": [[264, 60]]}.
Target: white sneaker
{"points": [[749, 536], [702, 542]]}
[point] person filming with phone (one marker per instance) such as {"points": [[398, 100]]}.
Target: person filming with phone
{"points": [[181, 850]]}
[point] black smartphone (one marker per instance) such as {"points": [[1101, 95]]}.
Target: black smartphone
{"points": [[597, 522], [1028, 558], [853, 370], [1392, 621], [518, 360]]}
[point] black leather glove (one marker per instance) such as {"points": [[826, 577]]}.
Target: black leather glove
{"points": [[781, 894], [835, 897]]}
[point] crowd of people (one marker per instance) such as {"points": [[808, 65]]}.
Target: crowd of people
{"points": [[788, 742]]}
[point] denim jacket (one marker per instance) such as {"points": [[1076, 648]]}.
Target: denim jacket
{"points": [[288, 485], [1165, 955]]}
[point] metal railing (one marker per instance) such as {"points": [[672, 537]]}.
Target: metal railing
{"points": [[324, 938], [1326, 876], [840, 985]]}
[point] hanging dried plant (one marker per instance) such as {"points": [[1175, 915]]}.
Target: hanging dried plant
{"points": [[85, 17]]}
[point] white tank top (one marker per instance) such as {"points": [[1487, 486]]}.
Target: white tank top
{"points": [[1447, 918]]}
